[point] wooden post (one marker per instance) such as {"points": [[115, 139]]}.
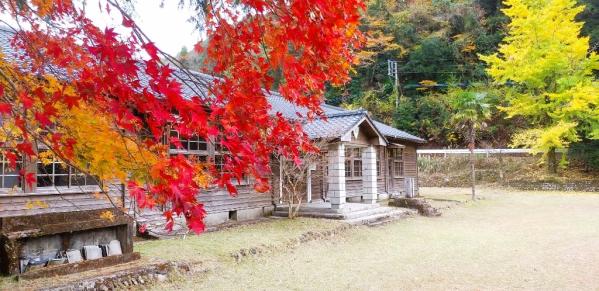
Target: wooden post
{"points": [[472, 161], [501, 179]]}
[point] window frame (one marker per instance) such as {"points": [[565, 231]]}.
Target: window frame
{"points": [[213, 153], [186, 145], [397, 162], [13, 174], [68, 171], [353, 158]]}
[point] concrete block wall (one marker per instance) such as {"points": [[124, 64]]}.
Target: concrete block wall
{"points": [[336, 178], [369, 175]]}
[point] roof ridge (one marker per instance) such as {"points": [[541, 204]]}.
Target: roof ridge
{"points": [[348, 113], [334, 107]]}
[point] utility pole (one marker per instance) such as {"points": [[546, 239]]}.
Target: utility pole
{"points": [[392, 71]]}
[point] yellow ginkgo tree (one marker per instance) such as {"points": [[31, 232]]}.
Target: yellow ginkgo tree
{"points": [[549, 69]]}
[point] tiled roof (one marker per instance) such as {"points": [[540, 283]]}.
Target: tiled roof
{"points": [[386, 130], [339, 122], [336, 125], [280, 104]]}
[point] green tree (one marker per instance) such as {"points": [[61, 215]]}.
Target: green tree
{"points": [[436, 41], [471, 110], [590, 17], [552, 71]]}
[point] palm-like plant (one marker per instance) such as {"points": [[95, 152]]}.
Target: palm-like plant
{"points": [[471, 110]]}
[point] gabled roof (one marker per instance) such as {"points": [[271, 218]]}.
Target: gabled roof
{"points": [[339, 122], [340, 125], [336, 125], [334, 113], [386, 130]]}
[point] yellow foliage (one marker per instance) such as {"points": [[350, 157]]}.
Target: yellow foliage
{"points": [[550, 64], [426, 84], [102, 149], [36, 204], [46, 157], [541, 140], [44, 7], [107, 215]]}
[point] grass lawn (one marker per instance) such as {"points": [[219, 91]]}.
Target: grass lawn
{"points": [[508, 240], [218, 246]]}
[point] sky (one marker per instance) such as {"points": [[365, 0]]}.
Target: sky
{"points": [[166, 26]]}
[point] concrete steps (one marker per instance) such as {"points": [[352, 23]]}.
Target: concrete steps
{"points": [[382, 217], [365, 214]]}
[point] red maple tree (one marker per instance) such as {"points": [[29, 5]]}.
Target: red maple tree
{"points": [[126, 78]]}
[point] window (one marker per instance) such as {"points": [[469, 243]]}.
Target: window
{"points": [[9, 178], [220, 159], [396, 153], [219, 163], [398, 168], [396, 162], [348, 168], [197, 158], [191, 144], [200, 150], [353, 162], [56, 173], [357, 168]]}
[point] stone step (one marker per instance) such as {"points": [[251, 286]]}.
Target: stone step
{"points": [[311, 214], [368, 212], [382, 217], [332, 214], [321, 209], [364, 216], [328, 213]]}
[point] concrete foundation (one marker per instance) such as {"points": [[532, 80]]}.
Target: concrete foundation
{"points": [[40, 237], [383, 196], [216, 218], [356, 199]]}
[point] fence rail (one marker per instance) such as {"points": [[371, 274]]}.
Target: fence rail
{"points": [[487, 152]]}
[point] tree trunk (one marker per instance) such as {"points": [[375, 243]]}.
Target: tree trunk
{"points": [[552, 161], [297, 208], [472, 160]]}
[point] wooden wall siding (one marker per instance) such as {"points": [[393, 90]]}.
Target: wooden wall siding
{"points": [[398, 185], [353, 188], [317, 176], [219, 200], [410, 165], [380, 186], [274, 181], [41, 203]]}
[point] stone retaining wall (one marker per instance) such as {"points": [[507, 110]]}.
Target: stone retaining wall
{"points": [[580, 186], [126, 279]]}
